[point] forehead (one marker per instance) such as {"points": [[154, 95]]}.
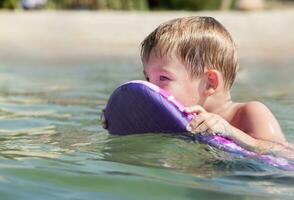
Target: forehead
{"points": [[166, 62]]}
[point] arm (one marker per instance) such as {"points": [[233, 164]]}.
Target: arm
{"points": [[258, 122], [256, 139], [259, 145]]}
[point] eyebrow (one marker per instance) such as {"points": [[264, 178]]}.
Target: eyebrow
{"points": [[161, 70], [168, 72]]}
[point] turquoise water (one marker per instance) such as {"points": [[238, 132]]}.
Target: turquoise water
{"points": [[52, 146]]}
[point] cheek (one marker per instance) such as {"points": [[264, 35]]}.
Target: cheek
{"points": [[186, 97], [186, 100]]}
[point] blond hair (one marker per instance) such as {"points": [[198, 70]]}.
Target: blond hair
{"points": [[199, 42]]}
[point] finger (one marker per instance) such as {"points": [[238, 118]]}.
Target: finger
{"points": [[202, 128], [217, 127], [211, 124], [195, 109], [196, 122]]}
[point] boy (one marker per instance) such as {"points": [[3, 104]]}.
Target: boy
{"points": [[195, 59]]}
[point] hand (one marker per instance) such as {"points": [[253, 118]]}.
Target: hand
{"points": [[207, 123], [103, 119]]}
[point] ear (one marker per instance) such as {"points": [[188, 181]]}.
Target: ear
{"points": [[212, 78]]}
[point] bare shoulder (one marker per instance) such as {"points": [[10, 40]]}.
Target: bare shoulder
{"points": [[252, 110], [257, 120], [255, 108], [254, 105]]}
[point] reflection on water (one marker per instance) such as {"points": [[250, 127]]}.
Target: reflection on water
{"points": [[52, 146]]}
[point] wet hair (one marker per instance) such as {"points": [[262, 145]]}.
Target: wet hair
{"points": [[199, 42]]}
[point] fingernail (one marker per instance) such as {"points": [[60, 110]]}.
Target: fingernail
{"points": [[189, 128]]}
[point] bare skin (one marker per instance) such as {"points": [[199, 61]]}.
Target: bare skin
{"points": [[251, 124]]}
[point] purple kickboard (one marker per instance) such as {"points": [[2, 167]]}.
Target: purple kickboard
{"points": [[138, 107]]}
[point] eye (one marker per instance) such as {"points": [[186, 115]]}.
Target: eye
{"points": [[164, 78]]}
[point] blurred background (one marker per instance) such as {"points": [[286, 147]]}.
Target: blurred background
{"points": [[61, 59], [145, 4], [71, 30]]}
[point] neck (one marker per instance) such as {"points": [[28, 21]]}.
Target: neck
{"points": [[218, 103]]}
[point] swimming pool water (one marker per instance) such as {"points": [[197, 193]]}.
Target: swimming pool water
{"points": [[53, 147]]}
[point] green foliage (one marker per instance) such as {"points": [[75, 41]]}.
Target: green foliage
{"points": [[99, 4], [9, 4], [184, 4], [126, 4]]}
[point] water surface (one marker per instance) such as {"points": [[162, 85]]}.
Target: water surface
{"points": [[52, 146]]}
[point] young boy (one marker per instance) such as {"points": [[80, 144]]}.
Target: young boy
{"points": [[195, 59]]}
